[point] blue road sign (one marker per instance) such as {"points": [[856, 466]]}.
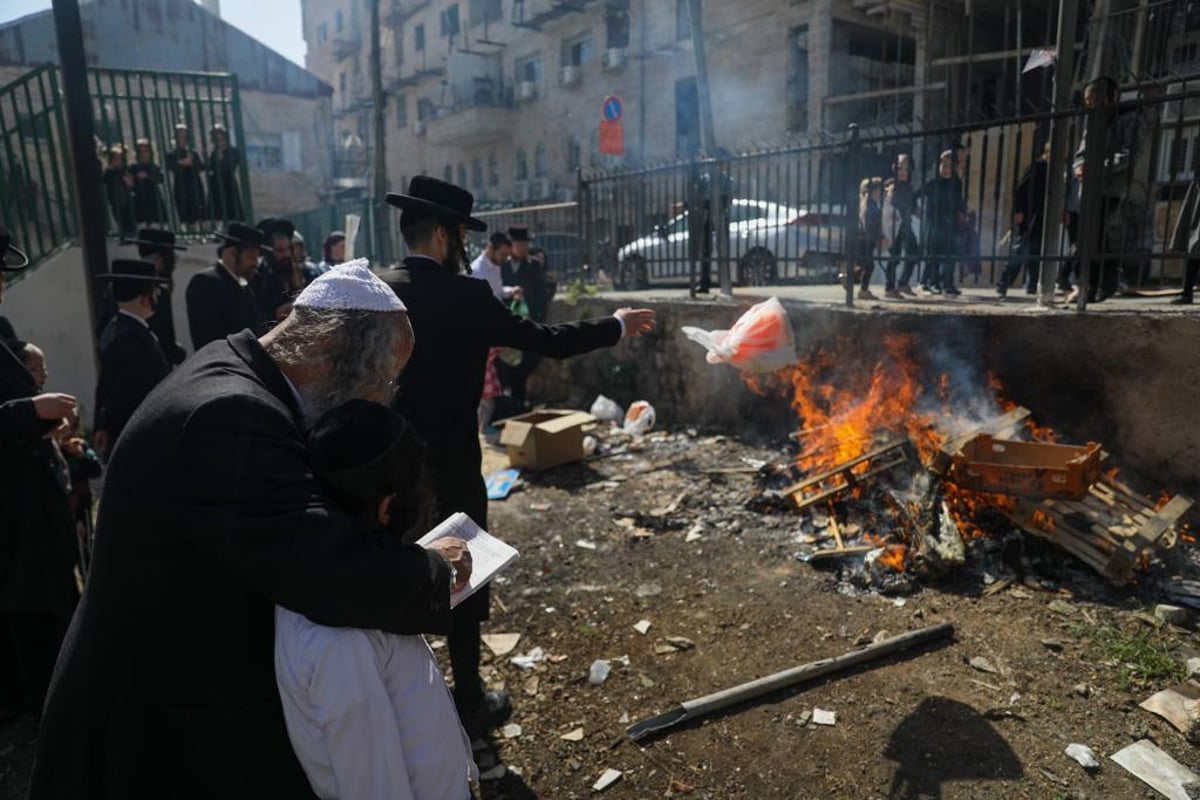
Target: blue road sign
{"points": [[613, 108]]}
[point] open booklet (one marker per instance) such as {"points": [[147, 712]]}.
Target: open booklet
{"points": [[489, 555]]}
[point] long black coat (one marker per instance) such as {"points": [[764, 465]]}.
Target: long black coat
{"points": [[218, 306], [189, 189], [455, 320], [224, 194], [165, 685], [37, 533], [131, 364]]}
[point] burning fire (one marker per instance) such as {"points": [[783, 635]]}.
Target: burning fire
{"points": [[894, 557]]}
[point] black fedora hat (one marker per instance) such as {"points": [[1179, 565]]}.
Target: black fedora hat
{"points": [[241, 235], [132, 270], [11, 259], [154, 238], [429, 197], [273, 226], [520, 233]]}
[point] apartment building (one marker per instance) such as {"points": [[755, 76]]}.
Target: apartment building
{"points": [[506, 97]]}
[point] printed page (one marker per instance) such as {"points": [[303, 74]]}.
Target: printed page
{"points": [[489, 555]]}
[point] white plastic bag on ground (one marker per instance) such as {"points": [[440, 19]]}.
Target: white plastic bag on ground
{"points": [[760, 341], [640, 418], [608, 410]]}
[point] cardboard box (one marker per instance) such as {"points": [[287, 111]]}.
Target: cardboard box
{"points": [[1030, 469], [544, 439]]}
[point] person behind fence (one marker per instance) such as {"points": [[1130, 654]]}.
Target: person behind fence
{"points": [[160, 247], [1120, 152], [185, 166], [368, 712], [118, 188], [220, 301], [333, 251], [148, 205], [870, 229], [706, 195], [457, 319], [942, 199], [905, 250], [131, 361], [212, 517], [1028, 222], [224, 192]]}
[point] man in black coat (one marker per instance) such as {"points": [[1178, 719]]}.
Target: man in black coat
{"points": [[131, 360], [159, 247], [274, 282], [456, 319], [37, 547], [220, 301], [165, 685]]}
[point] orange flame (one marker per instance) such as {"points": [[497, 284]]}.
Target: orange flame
{"points": [[1043, 521], [894, 557]]}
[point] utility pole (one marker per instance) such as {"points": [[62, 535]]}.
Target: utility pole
{"points": [[1058, 166], [716, 189], [382, 226], [89, 213]]}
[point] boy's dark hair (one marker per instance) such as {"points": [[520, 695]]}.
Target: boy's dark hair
{"points": [[499, 239], [362, 452]]}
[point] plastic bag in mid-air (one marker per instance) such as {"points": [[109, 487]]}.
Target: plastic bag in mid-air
{"points": [[760, 341]]}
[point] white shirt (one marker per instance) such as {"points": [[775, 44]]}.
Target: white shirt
{"points": [[485, 270], [368, 713]]}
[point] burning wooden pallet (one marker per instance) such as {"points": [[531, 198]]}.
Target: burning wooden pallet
{"points": [[849, 475], [1111, 529]]}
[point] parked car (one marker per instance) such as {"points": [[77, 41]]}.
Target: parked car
{"points": [[762, 235]]}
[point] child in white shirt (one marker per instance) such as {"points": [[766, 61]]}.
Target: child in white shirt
{"points": [[368, 713]]}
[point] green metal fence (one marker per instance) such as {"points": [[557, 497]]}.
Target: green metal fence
{"points": [[317, 223], [35, 200]]}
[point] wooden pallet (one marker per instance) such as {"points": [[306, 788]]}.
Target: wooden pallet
{"points": [[1110, 529], [842, 478]]}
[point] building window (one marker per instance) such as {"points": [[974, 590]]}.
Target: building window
{"points": [[493, 170], [342, 85], [448, 174], [264, 152], [539, 161], [462, 174], [481, 12], [425, 109], [574, 154], [449, 19], [338, 22], [529, 69], [323, 33], [477, 173], [616, 27], [522, 165], [578, 51], [683, 21], [687, 118], [401, 110], [419, 37], [798, 80]]}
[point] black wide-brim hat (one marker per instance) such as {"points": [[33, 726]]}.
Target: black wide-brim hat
{"points": [[429, 197], [131, 270], [241, 235], [272, 226], [12, 259], [153, 237], [520, 233]]}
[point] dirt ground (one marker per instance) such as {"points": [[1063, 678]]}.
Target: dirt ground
{"points": [[604, 545]]}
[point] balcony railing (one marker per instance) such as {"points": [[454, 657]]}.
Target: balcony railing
{"points": [[345, 45], [486, 118]]}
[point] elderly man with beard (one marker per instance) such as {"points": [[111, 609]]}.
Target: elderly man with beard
{"points": [[165, 685]]}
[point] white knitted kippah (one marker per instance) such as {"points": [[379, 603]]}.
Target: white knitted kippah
{"points": [[350, 287]]}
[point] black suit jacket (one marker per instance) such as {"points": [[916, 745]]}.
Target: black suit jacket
{"points": [[218, 307], [165, 684], [131, 364], [455, 320]]}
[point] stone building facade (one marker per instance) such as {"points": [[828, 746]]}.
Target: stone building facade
{"points": [[506, 96], [286, 111]]}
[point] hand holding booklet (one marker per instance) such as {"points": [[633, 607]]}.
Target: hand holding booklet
{"points": [[489, 555]]}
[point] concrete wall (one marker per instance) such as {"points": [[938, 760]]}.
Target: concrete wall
{"points": [[1124, 380]]}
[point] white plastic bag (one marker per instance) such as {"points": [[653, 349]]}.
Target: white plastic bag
{"points": [[639, 419], [608, 410], [760, 341]]}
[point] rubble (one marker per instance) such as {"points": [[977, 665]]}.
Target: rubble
{"points": [[1083, 755]]}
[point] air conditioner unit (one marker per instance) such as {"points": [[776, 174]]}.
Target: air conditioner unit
{"points": [[614, 58], [418, 128], [541, 189], [570, 76], [526, 90], [521, 191]]}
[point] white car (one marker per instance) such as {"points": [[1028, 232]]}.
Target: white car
{"points": [[762, 235]]}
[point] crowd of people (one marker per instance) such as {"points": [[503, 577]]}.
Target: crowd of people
{"points": [[246, 618], [134, 187]]}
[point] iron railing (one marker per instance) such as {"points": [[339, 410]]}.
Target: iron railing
{"points": [[317, 223]]}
